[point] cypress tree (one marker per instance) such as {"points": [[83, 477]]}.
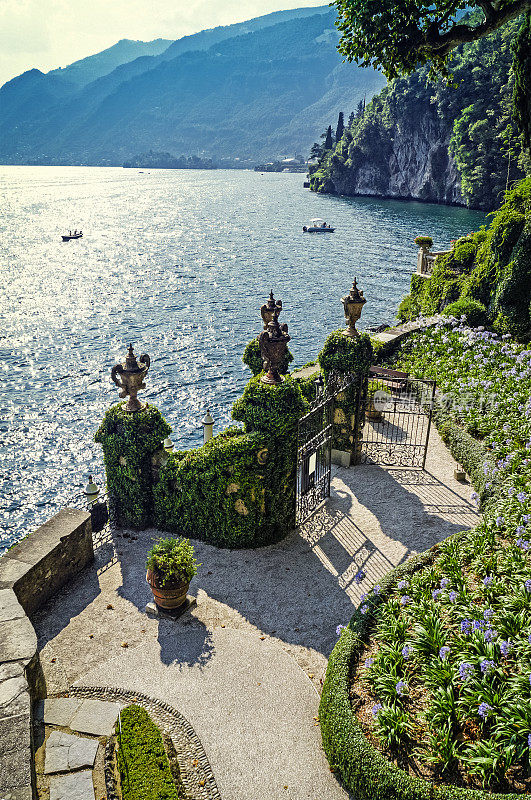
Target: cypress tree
{"points": [[329, 142], [340, 128]]}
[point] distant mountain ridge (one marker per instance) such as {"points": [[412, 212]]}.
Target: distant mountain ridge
{"points": [[258, 89]]}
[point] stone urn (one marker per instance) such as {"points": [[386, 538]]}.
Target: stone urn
{"points": [[353, 305], [131, 378], [269, 309], [273, 346], [172, 594]]}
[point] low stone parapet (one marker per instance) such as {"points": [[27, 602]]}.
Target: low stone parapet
{"points": [[30, 573]]}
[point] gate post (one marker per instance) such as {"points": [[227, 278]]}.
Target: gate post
{"points": [[347, 359]]}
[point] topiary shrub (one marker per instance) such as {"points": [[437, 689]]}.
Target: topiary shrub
{"points": [[473, 311], [252, 358], [344, 354]]}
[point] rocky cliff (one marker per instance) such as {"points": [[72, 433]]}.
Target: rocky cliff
{"points": [[420, 140]]}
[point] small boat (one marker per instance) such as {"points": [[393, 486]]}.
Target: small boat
{"points": [[317, 226], [67, 237]]}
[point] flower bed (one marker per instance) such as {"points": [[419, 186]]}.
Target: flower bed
{"points": [[436, 662]]}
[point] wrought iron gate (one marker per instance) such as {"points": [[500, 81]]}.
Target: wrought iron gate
{"points": [[314, 457], [395, 419]]}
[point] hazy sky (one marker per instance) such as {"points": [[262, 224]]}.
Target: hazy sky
{"points": [[53, 33]]}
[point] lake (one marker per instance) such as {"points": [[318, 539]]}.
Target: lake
{"points": [[178, 262]]}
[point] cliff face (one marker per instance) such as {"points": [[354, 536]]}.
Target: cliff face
{"points": [[424, 140], [416, 166]]}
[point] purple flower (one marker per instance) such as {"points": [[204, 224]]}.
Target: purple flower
{"points": [[405, 599], [490, 634], [363, 598], [364, 609], [359, 576], [443, 652], [466, 626], [436, 592], [406, 650], [499, 520], [484, 709], [375, 710], [487, 666], [339, 629], [528, 585], [403, 584], [505, 647], [529, 741], [377, 589], [523, 544], [466, 670], [400, 687], [452, 597], [478, 625], [474, 497], [530, 676], [369, 662], [521, 496], [488, 613], [444, 583], [488, 581]]}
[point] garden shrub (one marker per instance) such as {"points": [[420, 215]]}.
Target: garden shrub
{"points": [[143, 765], [473, 311], [453, 625], [492, 266]]}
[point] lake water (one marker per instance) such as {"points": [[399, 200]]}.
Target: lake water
{"points": [[178, 263]]}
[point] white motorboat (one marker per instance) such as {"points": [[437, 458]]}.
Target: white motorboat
{"points": [[318, 226]]}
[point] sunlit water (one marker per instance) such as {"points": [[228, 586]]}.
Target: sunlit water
{"points": [[177, 262]]}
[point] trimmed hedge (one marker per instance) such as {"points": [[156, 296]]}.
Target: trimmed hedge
{"points": [[144, 768]]}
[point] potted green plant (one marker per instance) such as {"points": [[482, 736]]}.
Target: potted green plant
{"points": [[170, 567], [424, 242]]}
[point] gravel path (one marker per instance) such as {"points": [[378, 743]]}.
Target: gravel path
{"points": [[245, 666]]}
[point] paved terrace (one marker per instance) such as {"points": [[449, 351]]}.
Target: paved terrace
{"points": [[245, 666]]}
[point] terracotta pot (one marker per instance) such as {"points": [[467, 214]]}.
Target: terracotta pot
{"points": [[170, 596]]}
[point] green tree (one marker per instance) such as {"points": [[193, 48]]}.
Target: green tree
{"points": [[351, 119], [316, 150], [340, 127], [329, 140], [397, 36]]}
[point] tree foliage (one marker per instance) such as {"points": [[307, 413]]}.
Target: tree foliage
{"points": [[396, 36]]}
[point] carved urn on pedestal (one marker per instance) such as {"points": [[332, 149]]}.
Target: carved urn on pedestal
{"points": [[353, 304], [132, 374], [269, 309], [273, 346]]}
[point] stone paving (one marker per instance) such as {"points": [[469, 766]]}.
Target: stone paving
{"points": [[245, 666]]}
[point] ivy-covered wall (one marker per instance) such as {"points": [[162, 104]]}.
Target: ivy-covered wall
{"points": [[238, 490], [343, 355], [132, 450]]}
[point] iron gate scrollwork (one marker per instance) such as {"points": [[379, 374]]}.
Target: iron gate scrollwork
{"points": [[396, 420]]}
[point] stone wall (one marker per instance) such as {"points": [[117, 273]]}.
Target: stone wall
{"points": [[30, 573]]}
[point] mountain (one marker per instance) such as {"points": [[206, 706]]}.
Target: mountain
{"points": [[424, 140], [254, 90], [89, 69]]}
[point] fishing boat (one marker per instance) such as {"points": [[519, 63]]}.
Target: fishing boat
{"points": [[75, 235], [318, 226]]}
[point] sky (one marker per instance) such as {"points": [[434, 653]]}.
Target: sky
{"points": [[52, 33]]}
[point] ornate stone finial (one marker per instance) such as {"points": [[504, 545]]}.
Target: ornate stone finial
{"points": [[269, 309], [132, 378], [353, 305], [273, 345]]}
